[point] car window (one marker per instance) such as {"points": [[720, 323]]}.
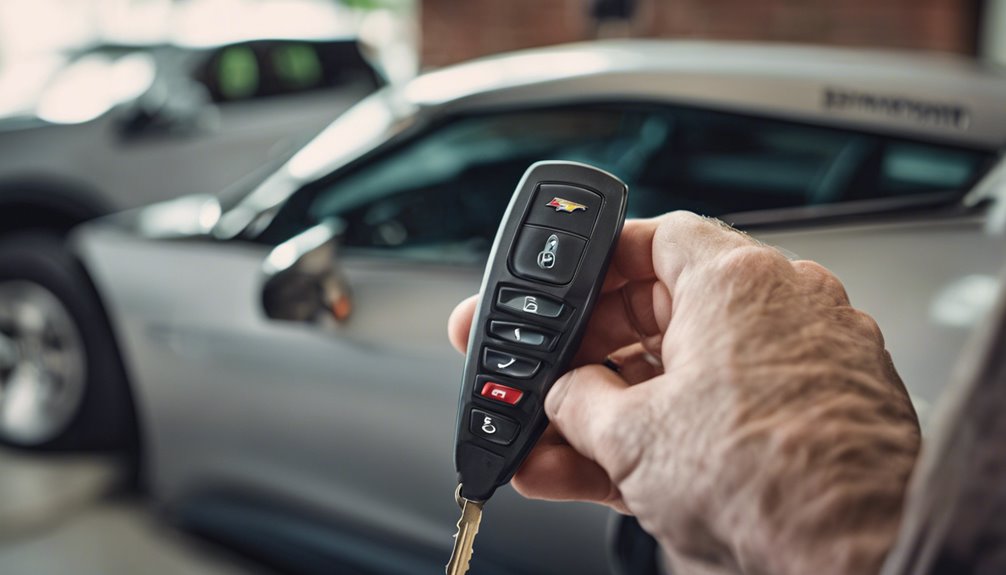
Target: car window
{"points": [[237, 74], [908, 168], [269, 68], [296, 66], [446, 189]]}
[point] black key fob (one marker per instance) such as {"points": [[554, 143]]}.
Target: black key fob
{"points": [[543, 277]]}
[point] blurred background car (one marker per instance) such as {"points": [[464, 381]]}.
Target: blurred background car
{"points": [[274, 355], [121, 124]]}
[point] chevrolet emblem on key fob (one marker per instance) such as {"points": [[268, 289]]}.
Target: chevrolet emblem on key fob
{"points": [[543, 277]]}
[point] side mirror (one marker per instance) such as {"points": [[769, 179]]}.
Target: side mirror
{"points": [[303, 280]]}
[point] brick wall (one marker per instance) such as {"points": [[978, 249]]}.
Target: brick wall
{"points": [[455, 30]]}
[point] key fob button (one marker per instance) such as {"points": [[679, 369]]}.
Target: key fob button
{"points": [[547, 255], [529, 303], [493, 427], [521, 334], [509, 364], [502, 393], [565, 207]]}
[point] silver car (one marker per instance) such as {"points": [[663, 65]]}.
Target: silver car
{"points": [[279, 359]]}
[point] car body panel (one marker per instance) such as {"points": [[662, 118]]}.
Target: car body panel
{"points": [[899, 273], [783, 79]]}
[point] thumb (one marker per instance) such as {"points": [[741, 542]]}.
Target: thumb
{"points": [[588, 405]]}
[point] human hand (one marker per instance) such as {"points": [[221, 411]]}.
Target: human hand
{"points": [[757, 423]]}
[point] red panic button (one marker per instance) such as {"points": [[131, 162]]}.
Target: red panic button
{"points": [[498, 392]]}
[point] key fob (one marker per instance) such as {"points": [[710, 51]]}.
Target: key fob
{"points": [[543, 277]]}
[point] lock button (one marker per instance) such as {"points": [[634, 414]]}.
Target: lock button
{"points": [[547, 255], [530, 304], [492, 427]]}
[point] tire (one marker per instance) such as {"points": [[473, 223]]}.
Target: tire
{"points": [[81, 400]]}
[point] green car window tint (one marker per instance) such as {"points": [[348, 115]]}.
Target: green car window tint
{"points": [[237, 73], [296, 66]]}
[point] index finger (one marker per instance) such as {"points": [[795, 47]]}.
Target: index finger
{"points": [[659, 248]]}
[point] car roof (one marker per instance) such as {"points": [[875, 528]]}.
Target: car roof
{"points": [[929, 95]]}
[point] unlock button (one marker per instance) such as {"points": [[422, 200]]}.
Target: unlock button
{"points": [[547, 255], [492, 427]]}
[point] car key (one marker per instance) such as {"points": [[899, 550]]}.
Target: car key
{"points": [[544, 274]]}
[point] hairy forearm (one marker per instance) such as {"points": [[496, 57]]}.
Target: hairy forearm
{"points": [[823, 477]]}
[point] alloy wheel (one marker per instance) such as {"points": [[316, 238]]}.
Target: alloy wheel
{"points": [[42, 364]]}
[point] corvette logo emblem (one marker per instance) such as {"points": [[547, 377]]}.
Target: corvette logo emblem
{"points": [[562, 205]]}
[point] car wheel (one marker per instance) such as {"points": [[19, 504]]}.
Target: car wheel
{"points": [[62, 385]]}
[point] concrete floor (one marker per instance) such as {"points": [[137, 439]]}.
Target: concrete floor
{"points": [[68, 515]]}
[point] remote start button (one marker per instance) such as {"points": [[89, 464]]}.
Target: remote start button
{"points": [[492, 427], [547, 255]]}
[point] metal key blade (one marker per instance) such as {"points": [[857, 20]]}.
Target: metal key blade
{"points": [[468, 527]]}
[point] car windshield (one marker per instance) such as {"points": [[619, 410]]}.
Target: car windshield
{"points": [[358, 130]]}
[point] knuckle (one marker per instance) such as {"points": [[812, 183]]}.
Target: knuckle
{"points": [[746, 262], [678, 224], [820, 278], [682, 219], [682, 223], [859, 323], [869, 326]]}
